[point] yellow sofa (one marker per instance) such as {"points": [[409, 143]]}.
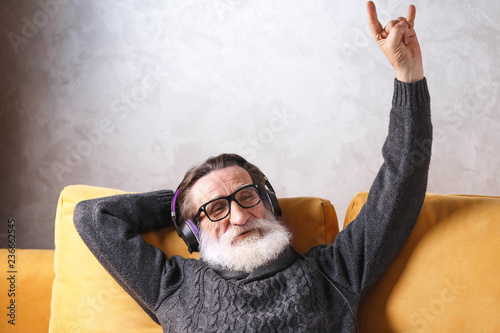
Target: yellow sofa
{"points": [[445, 279]]}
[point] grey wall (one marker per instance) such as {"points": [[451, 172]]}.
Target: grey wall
{"points": [[129, 94]]}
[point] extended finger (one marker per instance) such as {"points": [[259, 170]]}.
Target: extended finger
{"points": [[373, 22], [410, 16]]}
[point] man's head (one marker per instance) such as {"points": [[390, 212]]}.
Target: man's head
{"points": [[249, 235]]}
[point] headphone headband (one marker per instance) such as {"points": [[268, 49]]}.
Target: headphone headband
{"points": [[172, 211]]}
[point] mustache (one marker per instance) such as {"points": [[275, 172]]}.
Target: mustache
{"points": [[264, 224]]}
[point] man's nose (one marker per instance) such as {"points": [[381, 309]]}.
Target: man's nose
{"points": [[238, 215]]}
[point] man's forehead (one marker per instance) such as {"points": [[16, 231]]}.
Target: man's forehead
{"points": [[219, 183]]}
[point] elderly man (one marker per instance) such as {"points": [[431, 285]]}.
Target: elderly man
{"points": [[249, 278]]}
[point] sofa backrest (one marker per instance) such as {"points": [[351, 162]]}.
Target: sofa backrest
{"points": [[86, 298]]}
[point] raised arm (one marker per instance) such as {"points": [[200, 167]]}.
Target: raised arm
{"points": [[111, 229], [364, 250]]}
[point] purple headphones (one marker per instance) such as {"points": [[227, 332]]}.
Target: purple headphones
{"points": [[188, 229]]}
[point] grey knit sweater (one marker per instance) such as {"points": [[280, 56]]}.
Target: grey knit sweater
{"points": [[287, 295]]}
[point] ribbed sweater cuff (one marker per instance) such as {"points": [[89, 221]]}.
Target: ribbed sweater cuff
{"points": [[164, 198], [407, 94]]}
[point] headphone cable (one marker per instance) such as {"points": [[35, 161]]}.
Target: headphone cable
{"points": [[333, 285]]}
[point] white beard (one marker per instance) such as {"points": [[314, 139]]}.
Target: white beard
{"points": [[251, 252]]}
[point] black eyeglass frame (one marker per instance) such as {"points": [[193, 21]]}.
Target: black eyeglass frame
{"points": [[229, 198]]}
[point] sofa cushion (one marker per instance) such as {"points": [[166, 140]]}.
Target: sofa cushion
{"points": [[446, 277], [86, 298]]}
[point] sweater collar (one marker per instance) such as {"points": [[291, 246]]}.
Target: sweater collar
{"points": [[284, 260]]}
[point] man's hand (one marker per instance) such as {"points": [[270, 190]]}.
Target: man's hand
{"points": [[399, 43]]}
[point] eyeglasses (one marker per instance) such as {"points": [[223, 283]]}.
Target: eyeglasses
{"points": [[217, 209]]}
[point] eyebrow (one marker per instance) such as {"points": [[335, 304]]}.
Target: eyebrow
{"points": [[220, 197]]}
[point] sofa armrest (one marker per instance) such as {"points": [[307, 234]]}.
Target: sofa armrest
{"points": [[30, 289]]}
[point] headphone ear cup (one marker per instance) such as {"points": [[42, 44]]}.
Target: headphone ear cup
{"points": [[191, 235]]}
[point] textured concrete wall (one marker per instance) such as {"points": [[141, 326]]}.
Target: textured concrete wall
{"points": [[129, 94]]}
